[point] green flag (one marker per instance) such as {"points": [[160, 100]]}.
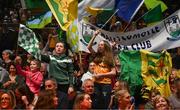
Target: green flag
{"points": [[153, 15], [28, 41], [33, 4], [40, 21], [105, 15], [150, 4], [146, 68]]}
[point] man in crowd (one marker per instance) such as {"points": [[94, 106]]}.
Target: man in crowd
{"points": [[88, 87], [51, 84]]}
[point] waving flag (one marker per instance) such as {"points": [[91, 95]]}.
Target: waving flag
{"points": [[153, 15], [148, 68], [101, 14], [64, 11], [28, 41], [73, 36], [103, 4], [128, 8], [150, 4], [40, 21]]}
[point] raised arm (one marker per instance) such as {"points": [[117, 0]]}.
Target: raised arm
{"points": [[92, 41]]}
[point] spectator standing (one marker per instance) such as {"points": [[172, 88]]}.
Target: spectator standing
{"points": [[60, 67], [34, 78], [104, 69]]}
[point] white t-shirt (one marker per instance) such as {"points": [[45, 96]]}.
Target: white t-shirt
{"points": [[87, 75]]}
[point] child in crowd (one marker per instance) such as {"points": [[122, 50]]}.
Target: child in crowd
{"points": [[34, 77]]}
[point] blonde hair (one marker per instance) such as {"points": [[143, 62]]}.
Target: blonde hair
{"points": [[78, 100], [12, 98], [120, 93]]}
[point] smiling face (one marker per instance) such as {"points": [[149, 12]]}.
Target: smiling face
{"points": [[60, 49], [86, 103], [161, 103], [33, 65], [5, 101]]}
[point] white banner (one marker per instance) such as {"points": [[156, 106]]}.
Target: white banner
{"points": [[164, 35]]}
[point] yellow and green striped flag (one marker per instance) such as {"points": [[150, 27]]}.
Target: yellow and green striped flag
{"points": [[64, 11], [146, 68]]}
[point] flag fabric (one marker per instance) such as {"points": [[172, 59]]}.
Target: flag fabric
{"points": [[103, 4], [28, 41], [96, 11], [34, 4], [153, 15], [41, 21], [150, 4], [61, 34], [73, 36], [148, 69], [64, 11], [102, 14], [128, 8]]}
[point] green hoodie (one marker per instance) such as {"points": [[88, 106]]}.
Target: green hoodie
{"points": [[60, 67]]}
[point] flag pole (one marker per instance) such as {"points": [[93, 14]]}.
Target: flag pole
{"points": [[142, 16], [109, 18], [133, 15], [136, 20]]}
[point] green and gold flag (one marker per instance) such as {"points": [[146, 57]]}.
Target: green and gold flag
{"points": [[102, 14], [64, 11], [146, 68]]}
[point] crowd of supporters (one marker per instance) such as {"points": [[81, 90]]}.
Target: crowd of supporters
{"points": [[62, 79]]}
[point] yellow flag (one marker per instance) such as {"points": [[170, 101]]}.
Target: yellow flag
{"points": [[64, 11], [93, 11]]}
